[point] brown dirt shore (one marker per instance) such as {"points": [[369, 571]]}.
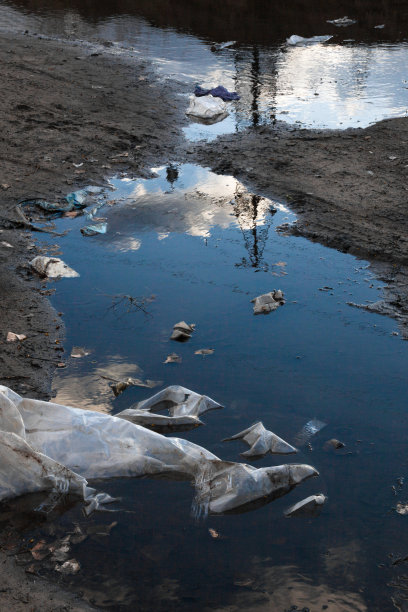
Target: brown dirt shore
{"points": [[66, 104]]}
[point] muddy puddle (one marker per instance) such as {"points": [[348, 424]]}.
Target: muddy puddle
{"points": [[189, 244], [355, 79]]}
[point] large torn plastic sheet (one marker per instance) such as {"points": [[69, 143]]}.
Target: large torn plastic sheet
{"points": [[59, 447]]}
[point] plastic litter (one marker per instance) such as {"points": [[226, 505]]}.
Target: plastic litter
{"points": [[47, 206], [227, 486], [52, 267], [333, 444], [342, 21], [69, 567], [310, 506], [299, 40], [93, 230], [78, 352], [268, 302], [77, 198], [225, 45], [160, 422], [262, 441], [12, 337], [119, 386], [64, 446], [173, 358], [207, 108], [204, 352], [308, 431], [217, 92], [182, 331]]}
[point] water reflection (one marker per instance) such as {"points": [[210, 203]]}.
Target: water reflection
{"points": [[339, 84]]}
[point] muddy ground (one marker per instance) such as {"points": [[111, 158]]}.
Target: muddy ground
{"points": [[68, 104]]}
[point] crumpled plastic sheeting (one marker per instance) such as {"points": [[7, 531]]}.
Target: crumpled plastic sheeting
{"points": [[299, 40], [64, 446], [217, 92], [160, 422], [268, 302], [179, 401], [310, 506], [207, 108], [226, 486], [262, 441], [52, 267]]}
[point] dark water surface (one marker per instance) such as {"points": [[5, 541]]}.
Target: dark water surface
{"points": [[198, 247], [201, 247]]}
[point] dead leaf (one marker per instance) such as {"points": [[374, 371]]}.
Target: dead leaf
{"points": [[73, 213], [213, 533], [40, 551], [204, 352], [173, 358], [119, 386]]}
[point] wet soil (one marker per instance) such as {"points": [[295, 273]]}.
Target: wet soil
{"points": [[64, 105]]}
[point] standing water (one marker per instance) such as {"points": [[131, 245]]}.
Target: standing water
{"points": [[191, 245]]}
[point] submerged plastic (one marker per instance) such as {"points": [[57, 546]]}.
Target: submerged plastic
{"points": [[207, 108], [50, 447], [262, 441], [52, 267]]}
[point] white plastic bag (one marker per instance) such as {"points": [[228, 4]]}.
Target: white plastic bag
{"points": [[207, 108]]}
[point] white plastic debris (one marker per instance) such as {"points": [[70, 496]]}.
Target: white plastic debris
{"points": [[173, 358], [262, 441], [342, 21], [228, 486], [12, 337], [182, 331], [179, 401], [224, 45], [69, 567], [64, 446], [159, 422], [299, 40], [309, 506], [52, 267], [268, 302], [207, 108]]}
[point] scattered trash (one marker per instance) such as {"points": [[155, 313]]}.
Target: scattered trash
{"points": [[401, 508], [213, 533], [204, 352], [40, 550], [52, 267], [217, 92], [207, 109], [12, 337], [262, 441], [225, 45], [182, 331], [183, 406], [78, 352], [342, 21], [119, 386], [308, 431], [333, 443], [173, 358], [77, 198], [310, 506], [69, 567], [299, 40], [268, 302], [93, 230], [379, 27], [99, 445], [6, 244], [47, 206]]}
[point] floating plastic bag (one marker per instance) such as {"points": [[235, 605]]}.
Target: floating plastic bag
{"points": [[268, 302], [262, 441], [310, 506], [207, 108]]}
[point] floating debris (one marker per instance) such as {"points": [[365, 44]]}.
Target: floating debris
{"points": [[119, 386], [95, 229], [308, 431], [173, 358], [217, 92], [401, 508], [334, 444], [299, 40], [342, 21], [52, 267], [310, 506], [182, 331], [268, 302], [78, 352], [204, 352], [69, 567], [262, 441], [213, 533], [221, 46]]}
